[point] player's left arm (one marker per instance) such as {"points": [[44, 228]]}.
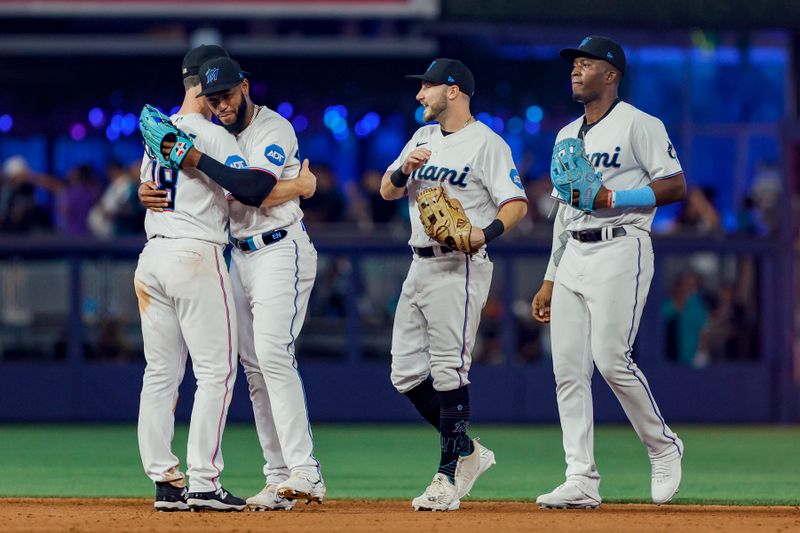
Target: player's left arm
{"points": [[501, 179], [656, 155]]}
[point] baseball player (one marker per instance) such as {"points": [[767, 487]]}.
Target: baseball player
{"points": [[180, 309], [273, 268], [438, 312], [186, 302], [600, 270]]}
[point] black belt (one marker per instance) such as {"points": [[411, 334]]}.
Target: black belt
{"points": [[430, 251], [249, 245], [594, 235]]}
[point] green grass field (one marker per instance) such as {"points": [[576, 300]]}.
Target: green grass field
{"points": [[727, 465]]}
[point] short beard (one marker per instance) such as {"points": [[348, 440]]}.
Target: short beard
{"points": [[241, 114], [435, 111]]}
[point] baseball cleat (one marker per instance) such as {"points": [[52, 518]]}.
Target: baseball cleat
{"points": [[441, 495], [471, 467], [302, 486], [218, 500], [666, 479], [570, 495], [268, 500], [170, 498]]}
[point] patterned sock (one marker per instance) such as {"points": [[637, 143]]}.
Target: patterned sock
{"points": [[426, 400], [453, 425]]}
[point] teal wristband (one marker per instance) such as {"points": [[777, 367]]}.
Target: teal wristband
{"points": [[642, 197]]}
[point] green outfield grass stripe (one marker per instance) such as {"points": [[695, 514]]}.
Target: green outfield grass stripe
{"points": [[739, 465]]}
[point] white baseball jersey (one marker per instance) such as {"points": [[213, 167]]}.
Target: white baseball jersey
{"points": [[270, 145], [474, 165], [631, 149], [600, 289], [197, 205]]}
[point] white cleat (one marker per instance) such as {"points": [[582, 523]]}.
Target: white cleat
{"points": [[441, 495], [268, 500], [302, 486], [471, 467], [570, 495], [666, 479]]}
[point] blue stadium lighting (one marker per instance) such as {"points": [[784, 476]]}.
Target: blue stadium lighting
{"points": [[6, 123], [341, 135], [515, 125], [128, 124], [174, 110], [498, 125], [285, 109], [534, 113], [77, 132], [484, 117], [533, 127], [96, 117], [418, 115], [300, 123], [112, 133], [367, 124]]}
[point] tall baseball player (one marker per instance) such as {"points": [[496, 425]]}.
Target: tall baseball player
{"points": [[601, 266], [438, 313], [181, 309], [186, 302], [273, 268]]}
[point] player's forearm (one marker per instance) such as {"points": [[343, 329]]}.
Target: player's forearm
{"points": [[511, 213], [283, 191], [249, 186], [389, 191], [670, 190]]}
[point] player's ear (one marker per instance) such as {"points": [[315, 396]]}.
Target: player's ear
{"points": [[246, 87], [453, 91]]}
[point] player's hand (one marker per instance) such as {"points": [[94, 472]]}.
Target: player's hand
{"points": [[166, 147], [308, 181], [476, 238], [540, 306], [415, 159], [152, 198], [600, 201]]}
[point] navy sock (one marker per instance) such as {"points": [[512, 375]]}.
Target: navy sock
{"points": [[453, 425], [426, 400]]}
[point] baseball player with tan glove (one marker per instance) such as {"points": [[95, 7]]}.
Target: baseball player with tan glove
{"points": [[459, 177]]}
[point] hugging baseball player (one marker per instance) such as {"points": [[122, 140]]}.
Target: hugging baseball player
{"points": [[610, 169], [186, 302], [459, 177], [267, 239], [188, 208]]}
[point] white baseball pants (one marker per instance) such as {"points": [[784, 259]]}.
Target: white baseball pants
{"points": [[185, 302]]}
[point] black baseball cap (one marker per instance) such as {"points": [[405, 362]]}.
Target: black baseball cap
{"points": [[199, 55], [597, 47], [449, 72], [219, 74]]}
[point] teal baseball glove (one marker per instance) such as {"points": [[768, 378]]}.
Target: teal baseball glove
{"points": [[571, 170], [156, 128]]}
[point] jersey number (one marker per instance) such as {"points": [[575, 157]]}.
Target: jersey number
{"points": [[167, 180]]}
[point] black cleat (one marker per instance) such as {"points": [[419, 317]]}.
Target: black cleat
{"points": [[218, 500], [170, 498]]}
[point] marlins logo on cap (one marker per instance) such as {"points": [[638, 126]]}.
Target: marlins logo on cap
{"points": [[211, 75]]}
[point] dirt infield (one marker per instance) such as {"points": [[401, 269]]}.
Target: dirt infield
{"points": [[44, 514]]}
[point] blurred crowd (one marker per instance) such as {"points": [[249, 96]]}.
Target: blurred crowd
{"points": [[81, 203], [86, 202]]}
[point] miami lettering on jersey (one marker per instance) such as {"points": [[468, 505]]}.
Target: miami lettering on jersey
{"points": [[441, 174], [605, 159]]}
